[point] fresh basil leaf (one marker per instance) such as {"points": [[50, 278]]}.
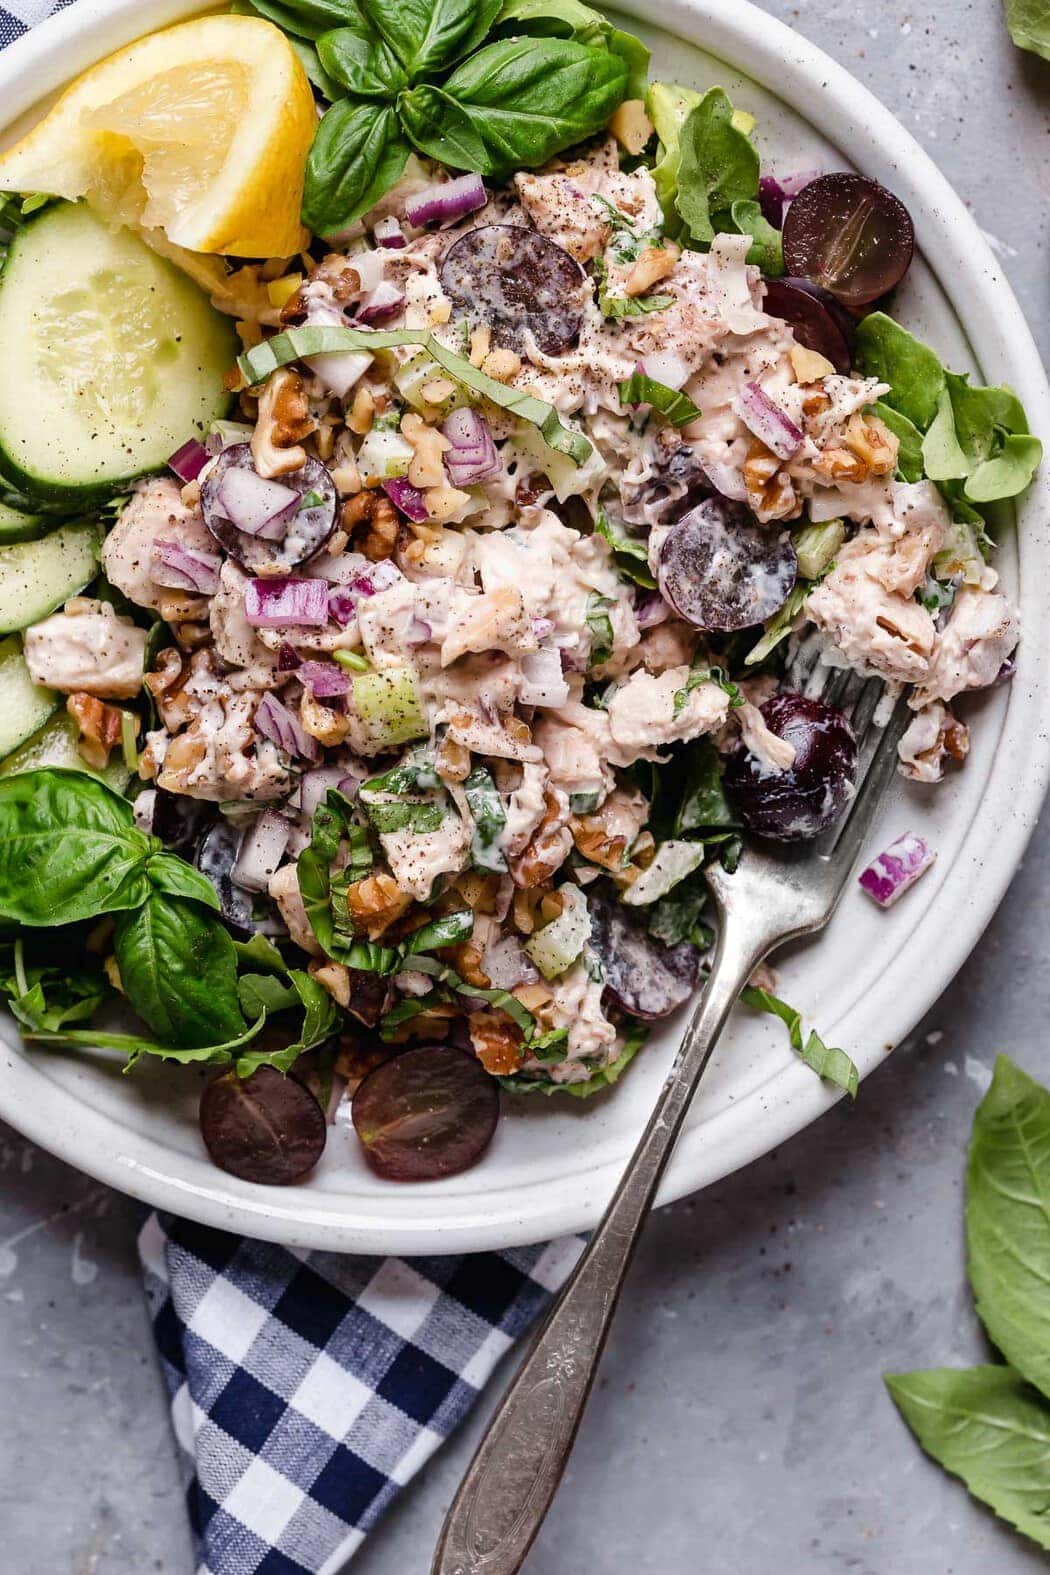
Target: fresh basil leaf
{"points": [[301, 18], [388, 816], [441, 974], [1029, 24], [718, 165], [515, 104], [767, 252], [677, 407], [409, 775], [834, 1066], [885, 350], [428, 35], [260, 952], [909, 438], [616, 306], [361, 62], [630, 552], [178, 969], [264, 992], [1008, 1219], [985, 1425], [489, 817], [571, 19], [706, 675], [600, 625], [679, 916], [635, 56], [357, 154], [170, 874], [447, 930], [135, 1046], [551, 1048], [69, 849], [320, 1021]]}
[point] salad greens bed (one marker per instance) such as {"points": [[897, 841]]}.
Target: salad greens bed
{"points": [[990, 1425]]}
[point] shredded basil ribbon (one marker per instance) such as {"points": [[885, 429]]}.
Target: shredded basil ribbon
{"points": [[641, 390], [296, 343]]}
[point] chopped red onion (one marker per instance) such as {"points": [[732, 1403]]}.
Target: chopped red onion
{"points": [[342, 603], [543, 682], [418, 631], [407, 499], [1005, 673], [380, 303], [767, 421], [315, 785], [449, 199], [288, 658], [542, 627], [389, 233], [275, 722], [472, 457], [507, 965], [340, 570], [667, 368], [650, 609], [261, 851], [256, 506], [188, 461], [325, 680], [348, 785], [889, 876], [339, 370], [185, 568], [286, 603]]}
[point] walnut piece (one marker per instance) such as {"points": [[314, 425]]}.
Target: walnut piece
{"points": [[284, 422], [370, 520], [374, 903], [99, 726], [652, 266], [426, 468], [497, 1042]]}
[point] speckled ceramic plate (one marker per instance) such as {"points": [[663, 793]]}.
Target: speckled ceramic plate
{"points": [[866, 981]]}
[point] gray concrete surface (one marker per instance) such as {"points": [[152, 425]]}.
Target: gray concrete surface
{"points": [[740, 1427]]}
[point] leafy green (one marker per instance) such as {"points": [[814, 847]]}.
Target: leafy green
{"points": [[677, 407], [69, 849], [615, 306], [780, 625], [178, 969], [172, 875], [1008, 1219], [427, 35], [668, 106], [914, 372], [361, 62], [715, 180], [678, 916], [446, 930], [571, 19], [605, 1077], [631, 553], [357, 154], [320, 1021], [767, 251], [600, 625], [489, 816], [706, 675], [833, 1065], [1029, 24], [703, 806], [135, 1046], [513, 104], [303, 18], [988, 1427], [260, 952], [46, 997], [415, 816], [909, 453]]}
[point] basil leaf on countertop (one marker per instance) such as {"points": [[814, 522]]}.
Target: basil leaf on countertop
{"points": [[69, 849], [514, 104], [178, 969], [1008, 1219], [988, 1427], [428, 35], [357, 154]]}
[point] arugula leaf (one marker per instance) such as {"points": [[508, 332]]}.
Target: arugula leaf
{"points": [[489, 816], [718, 166], [670, 402], [69, 849], [427, 35], [985, 1425], [678, 916], [320, 1021], [1008, 1219], [833, 1065], [704, 806], [571, 19], [631, 553], [1029, 24], [616, 306], [600, 625], [178, 969], [357, 154], [514, 104], [264, 992], [173, 876], [135, 1046], [361, 62]]}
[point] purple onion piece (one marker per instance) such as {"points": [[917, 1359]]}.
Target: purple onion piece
{"points": [[188, 461], [407, 499], [889, 876], [472, 457], [325, 680], [379, 304], [314, 787], [388, 233], [283, 728], [286, 603], [650, 609], [184, 568], [767, 421], [449, 199]]}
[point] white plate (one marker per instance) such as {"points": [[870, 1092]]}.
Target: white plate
{"points": [[866, 982]]}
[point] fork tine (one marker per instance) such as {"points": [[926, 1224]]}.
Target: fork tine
{"points": [[877, 761]]}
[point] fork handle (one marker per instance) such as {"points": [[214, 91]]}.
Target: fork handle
{"points": [[515, 1473]]}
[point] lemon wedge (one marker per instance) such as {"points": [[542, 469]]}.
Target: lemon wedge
{"points": [[201, 130]]}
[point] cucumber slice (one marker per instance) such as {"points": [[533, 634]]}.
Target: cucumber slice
{"points": [[24, 705], [38, 576], [17, 526], [110, 358], [55, 744]]}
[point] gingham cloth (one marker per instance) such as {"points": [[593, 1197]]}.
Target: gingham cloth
{"points": [[307, 1388]]}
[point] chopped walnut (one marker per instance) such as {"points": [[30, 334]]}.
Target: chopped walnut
{"points": [[440, 313], [533, 997], [362, 410], [465, 958], [594, 841], [370, 520], [769, 488], [375, 903], [809, 366], [426, 468], [329, 727], [497, 1041], [657, 263], [167, 686], [479, 891], [437, 390], [867, 448], [549, 848], [99, 726], [284, 422], [631, 126], [444, 503], [452, 761], [480, 344], [340, 275], [184, 754], [332, 977]]}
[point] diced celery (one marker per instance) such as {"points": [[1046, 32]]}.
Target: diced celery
{"points": [[557, 946], [816, 545], [384, 454], [673, 862], [387, 705]]}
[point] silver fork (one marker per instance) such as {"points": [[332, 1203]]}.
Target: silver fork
{"points": [[773, 896]]}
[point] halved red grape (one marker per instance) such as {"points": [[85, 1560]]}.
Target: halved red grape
{"points": [[643, 976], [267, 1128], [512, 278], [675, 480], [850, 235], [794, 805], [797, 302], [428, 1113], [308, 531], [721, 570], [217, 854]]}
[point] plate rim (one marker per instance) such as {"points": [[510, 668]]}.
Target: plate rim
{"points": [[838, 106]]}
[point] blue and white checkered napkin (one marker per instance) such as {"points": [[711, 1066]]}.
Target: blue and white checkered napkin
{"points": [[308, 1388]]}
